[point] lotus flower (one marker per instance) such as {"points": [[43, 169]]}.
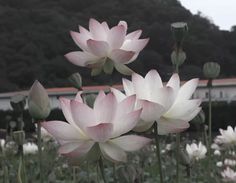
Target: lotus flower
{"points": [[229, 175], [106, 48], [100, 126], [30, 148], [196, 152], [227, 137], [169, 105]]}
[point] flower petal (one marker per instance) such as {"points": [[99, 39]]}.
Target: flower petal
{"points": [[80, 39], [153, 80], [101, 132], [135, 45], [61, 130], [80, 58], [97, 30], [128, 87], [123, 69], [112, 152], [83, 115], [121, 56], [118, 94], [98, 48], [174, 83], [116, 36], [124, 23], [126, 123], [131, 142], [134, 35], [187, 90]]}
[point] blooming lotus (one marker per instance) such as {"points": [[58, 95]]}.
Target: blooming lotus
{"points": [[229, 175], [196, 152], [170, 105], [227, 137], [30, 148], [100, 126], [106, 48]]}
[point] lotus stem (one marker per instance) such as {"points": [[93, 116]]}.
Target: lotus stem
{"points": [[158, 151], [209, 128], [177, 157], [40, 151], [114, 173], [101, 166]]}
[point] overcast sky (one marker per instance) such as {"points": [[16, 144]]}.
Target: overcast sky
{"points": [[221, 12]]}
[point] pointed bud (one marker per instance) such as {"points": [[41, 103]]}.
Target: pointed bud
{"points": [[18, 103], [179, 30], [38, 102], [211, 70], [178, 57], [76, 80], [19, 137]]}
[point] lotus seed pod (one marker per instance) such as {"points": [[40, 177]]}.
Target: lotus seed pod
{"points": [[178, 57], [18, 103], [200, 118], [38, 102], [179, 30], [76, 80], [19, 137], [211, 70]]}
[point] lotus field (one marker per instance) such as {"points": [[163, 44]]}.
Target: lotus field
{"points": [[137, 135]]}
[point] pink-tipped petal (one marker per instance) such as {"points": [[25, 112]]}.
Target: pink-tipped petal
{"points": [[131, 142], [78, 97], [97, 30], [118, 94], [125, 106], [112, 152], [98, 48], [100, 132], [187, 90], [128, 87], [121, 56], [84, 31], [80, 58], [83, 115], [116, 36], [106, 108], [151, 111], [135, 45], [80, 39], [99, 98], [105, 27], [124, 23], [126, 123], [134, 35], [61, 130]]}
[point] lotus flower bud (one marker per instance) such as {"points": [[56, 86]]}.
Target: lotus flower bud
{"points": [[178, 57], [184, 158], [76, 80], [200, 118], [19, 137], [18, 103], [179, 30], [211, 70], [38, 102]]}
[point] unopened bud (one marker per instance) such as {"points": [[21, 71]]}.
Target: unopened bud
{"points": [[178, 57], [19, 137], [38, 102], [18, 103], [76, 80], [211, 70]]}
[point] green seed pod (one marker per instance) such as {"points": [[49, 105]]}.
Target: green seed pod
{"points": [[178, 57], [76, 80], [38, 102], [18, 102], [19, 137], [211, 70], [179, 30]]}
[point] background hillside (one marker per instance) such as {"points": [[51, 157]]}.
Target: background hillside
{"points": [[34, 37]]}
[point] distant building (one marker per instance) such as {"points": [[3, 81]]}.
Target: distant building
{"points": [[224, 91]]}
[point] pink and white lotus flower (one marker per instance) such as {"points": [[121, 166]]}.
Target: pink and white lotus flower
{"points": [[101, 125], [170, 106], [227, 137], [196, 151], [106, 48]]}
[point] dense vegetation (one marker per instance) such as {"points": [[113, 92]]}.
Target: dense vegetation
{"points": [[35, 36]]}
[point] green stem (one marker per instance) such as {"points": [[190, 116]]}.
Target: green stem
{"points": [[210, 118], [40, 151], [177, 157], [158, 151], [101, 166], [114, 173], [210, 129]]}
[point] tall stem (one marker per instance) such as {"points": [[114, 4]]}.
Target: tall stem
{"points": [[158, 151], [210, 129], [114, 173], [177, 157], [40, 152], [101, 166]]}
